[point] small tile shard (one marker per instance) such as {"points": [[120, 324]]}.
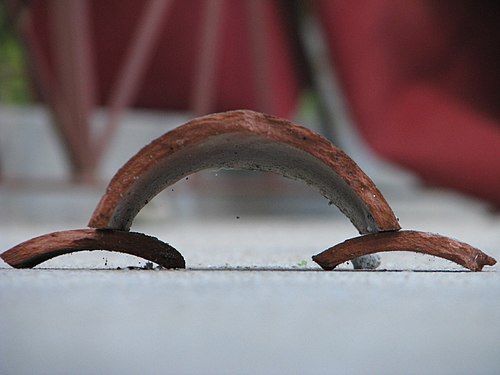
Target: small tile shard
{"points": [[420, 242]]}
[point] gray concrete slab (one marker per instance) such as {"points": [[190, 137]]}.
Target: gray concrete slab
{"points": [[248, 322], [251, 300], [249, 304]]}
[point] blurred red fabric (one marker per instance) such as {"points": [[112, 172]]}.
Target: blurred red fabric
{"points": [[422, 80], [169, 80], [421, 77]]}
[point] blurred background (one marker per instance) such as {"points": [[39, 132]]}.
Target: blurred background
{"points": [[410, 90]]}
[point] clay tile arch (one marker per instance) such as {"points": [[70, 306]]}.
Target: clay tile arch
{"points": [[244, 140]]}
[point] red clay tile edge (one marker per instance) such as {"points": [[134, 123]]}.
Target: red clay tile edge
{"points": [[30, 253], [244, 140], [420, 242]]}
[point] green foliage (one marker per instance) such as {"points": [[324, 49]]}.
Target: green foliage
{"points": [[302, 263], [13, 78]]}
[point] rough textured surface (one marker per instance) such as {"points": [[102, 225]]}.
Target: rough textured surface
{"points": [[248, 322], [39, 249], [238, 312], [426, 243], [244, 140]]}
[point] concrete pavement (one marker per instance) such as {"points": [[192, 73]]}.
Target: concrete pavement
{"points": [[251, 300]]}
